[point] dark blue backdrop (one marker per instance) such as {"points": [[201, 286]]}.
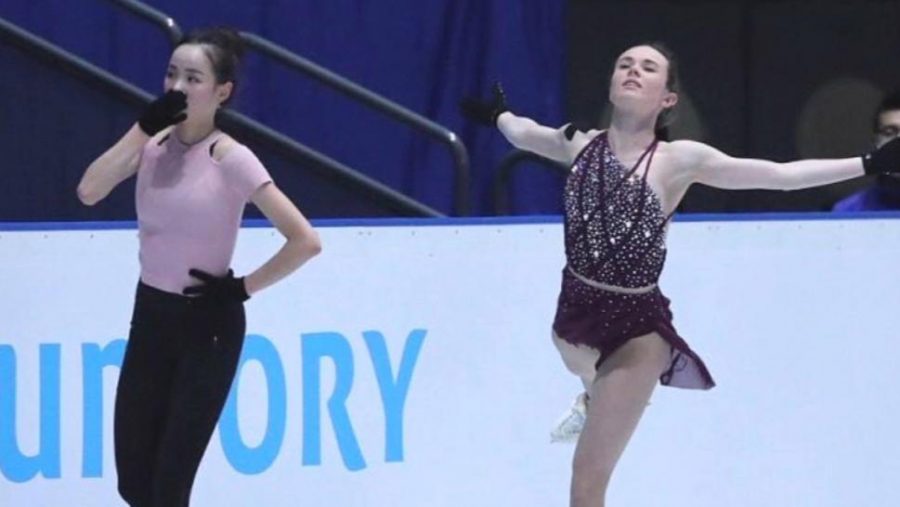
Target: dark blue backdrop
{"points": [[425, 55]]}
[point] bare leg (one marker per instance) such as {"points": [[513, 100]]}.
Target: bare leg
{"points": [[619, 395], [579, 359]]}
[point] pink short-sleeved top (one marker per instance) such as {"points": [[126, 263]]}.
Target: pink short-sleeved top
{"points": [[189, 208]]}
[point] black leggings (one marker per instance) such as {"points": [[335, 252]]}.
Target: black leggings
{"points": [[180, 360]]}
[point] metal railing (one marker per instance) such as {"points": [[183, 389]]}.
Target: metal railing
{"points": [[165, 22], [391, 198], [75, 65], [505, 169], [457, 149]]}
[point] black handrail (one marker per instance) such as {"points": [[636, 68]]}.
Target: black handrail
{"points": [[76, 65], [457, 148], [379, 103], [64, 60], [167, 23], [396, 200], [505, 170]]}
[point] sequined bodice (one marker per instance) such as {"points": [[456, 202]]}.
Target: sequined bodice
{"points": [[614, 223]]}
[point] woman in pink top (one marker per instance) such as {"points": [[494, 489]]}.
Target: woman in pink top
{"points": [[188, 325], [613, 326]]}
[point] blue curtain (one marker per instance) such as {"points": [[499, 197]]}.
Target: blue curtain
{"points": [[425, 55]]}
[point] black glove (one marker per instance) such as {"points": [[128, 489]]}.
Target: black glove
{"points": [[224, 288], [485, 112], [884, 160], [167, 109]]}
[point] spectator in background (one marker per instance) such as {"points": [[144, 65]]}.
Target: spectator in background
{"points": [[884, 194]]}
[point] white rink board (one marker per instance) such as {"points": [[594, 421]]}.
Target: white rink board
{"points": [[794, 318]]}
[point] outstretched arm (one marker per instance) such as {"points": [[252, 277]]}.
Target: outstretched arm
{"points": [[714, 168], [561, 145], [526, 134]]}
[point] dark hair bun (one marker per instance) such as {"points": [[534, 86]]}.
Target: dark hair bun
{"points": [[223, 46]]}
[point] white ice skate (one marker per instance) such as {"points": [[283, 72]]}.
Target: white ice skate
{"points": [[571, 423]]}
